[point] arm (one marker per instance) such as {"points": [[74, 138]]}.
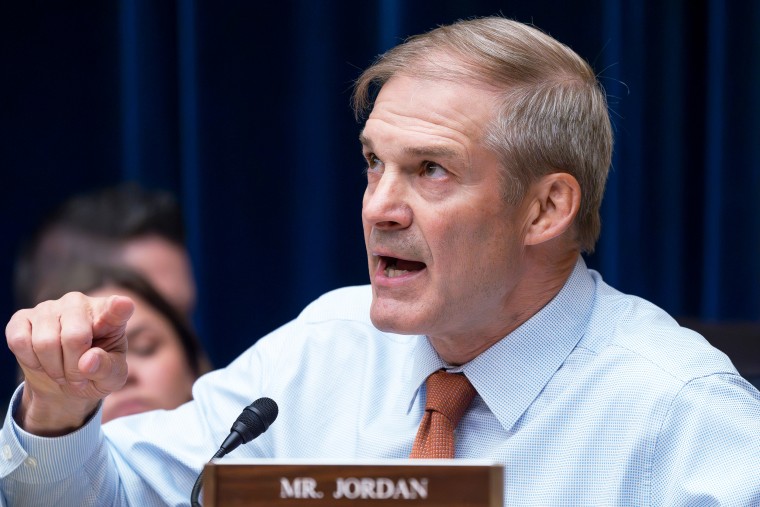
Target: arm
{"points": [[708, 450], [54, 471], [146, 459], [72, 354]]}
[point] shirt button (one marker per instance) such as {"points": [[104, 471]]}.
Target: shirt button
{"points": [[30, 462], [7, 454]]}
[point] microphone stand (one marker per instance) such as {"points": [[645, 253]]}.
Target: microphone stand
{"points": [[252, 422], [196, 492]]}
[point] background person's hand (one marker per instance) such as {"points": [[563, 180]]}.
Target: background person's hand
{"points": [[73, 354]]}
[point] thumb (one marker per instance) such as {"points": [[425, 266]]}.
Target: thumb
{"points": [[107, 371], [105, 364]]}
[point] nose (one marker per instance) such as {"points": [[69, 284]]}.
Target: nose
{"points": [[132, 371], [385, 205]]}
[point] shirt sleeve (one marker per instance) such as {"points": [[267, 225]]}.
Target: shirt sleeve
{"points": [[47, 471], [141, 460], [708, 451]]}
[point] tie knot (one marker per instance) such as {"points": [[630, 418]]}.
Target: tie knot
{"points": [[450, 394]]}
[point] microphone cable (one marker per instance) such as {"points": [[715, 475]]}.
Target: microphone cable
{"points": [[252, 422]]}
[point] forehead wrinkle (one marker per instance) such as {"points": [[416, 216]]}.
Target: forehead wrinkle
{"points": [[462, 118], [456, 126], [436, 149], [455, 121]]}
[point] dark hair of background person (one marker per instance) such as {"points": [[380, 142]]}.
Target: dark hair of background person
{"points": [[89, 227], [87, 277]]}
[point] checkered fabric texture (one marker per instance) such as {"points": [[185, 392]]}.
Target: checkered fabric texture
{"points": [[448, 397]]}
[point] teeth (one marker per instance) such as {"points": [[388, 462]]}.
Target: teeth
{"points": [[393, 273]]}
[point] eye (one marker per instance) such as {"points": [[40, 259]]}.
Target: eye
{"points": [[144, 348], [433, 170], [374, 164]]}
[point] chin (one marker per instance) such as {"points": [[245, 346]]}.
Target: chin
{"points": [[124, 408], [395, 321]]}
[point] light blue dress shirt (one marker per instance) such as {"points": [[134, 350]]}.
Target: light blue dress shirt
{"points": [[600, 399]]}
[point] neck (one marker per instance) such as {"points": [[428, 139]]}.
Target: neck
{"points": [[538, 285]]}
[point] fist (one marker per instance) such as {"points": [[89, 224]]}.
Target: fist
{"points": [[72, 352]]}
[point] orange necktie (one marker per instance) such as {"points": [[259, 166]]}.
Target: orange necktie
{"points": [[448, 396]]}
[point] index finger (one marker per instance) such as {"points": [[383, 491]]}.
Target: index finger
{"points": [[110, 315]]}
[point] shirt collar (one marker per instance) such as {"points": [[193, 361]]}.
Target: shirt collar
{"points": [[511, 374], [425, 361]]}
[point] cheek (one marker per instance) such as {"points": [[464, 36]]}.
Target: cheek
{"points": [[167, 376], [464, 238], [476, 251]]}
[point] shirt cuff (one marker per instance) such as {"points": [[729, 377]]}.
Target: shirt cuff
{"points": [[34, 459]]}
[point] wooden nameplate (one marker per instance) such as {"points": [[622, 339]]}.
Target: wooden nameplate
{"points": [[300, 483]]}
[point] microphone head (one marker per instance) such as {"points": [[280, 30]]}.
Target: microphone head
{"points": [[255, 419]]}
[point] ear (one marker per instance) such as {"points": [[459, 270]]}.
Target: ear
{"points": [[555, 201]]}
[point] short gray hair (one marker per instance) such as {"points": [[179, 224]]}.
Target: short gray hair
{"points": [[553, 115]]}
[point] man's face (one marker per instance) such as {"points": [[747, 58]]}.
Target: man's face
{"points": [[444, 248], [166, 266]]}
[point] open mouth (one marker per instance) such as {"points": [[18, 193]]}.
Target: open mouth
{"points": [[394, 267]]}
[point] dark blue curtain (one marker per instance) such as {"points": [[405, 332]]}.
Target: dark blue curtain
{"points": [[242, 109]]}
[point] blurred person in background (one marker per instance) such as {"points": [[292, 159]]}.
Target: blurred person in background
{"points": [[123, 225]]}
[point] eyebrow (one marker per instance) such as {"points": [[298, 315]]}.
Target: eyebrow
{"points": [[432, 151], [134, 332], [365, 140], [425, 151]]}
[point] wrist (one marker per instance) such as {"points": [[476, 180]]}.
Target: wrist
{"points": [[52, 416]]}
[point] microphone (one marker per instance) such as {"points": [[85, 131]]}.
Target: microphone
{"points": [[252, 422]]}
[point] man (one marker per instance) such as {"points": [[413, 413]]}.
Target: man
{"points": [[123, 225], [487, 149]]}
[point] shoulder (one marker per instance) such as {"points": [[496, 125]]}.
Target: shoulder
{"points": [[346, 303], [336, 326], [344, 315], [635, 330], [710, 440], [698, 417], [333, 333]]}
